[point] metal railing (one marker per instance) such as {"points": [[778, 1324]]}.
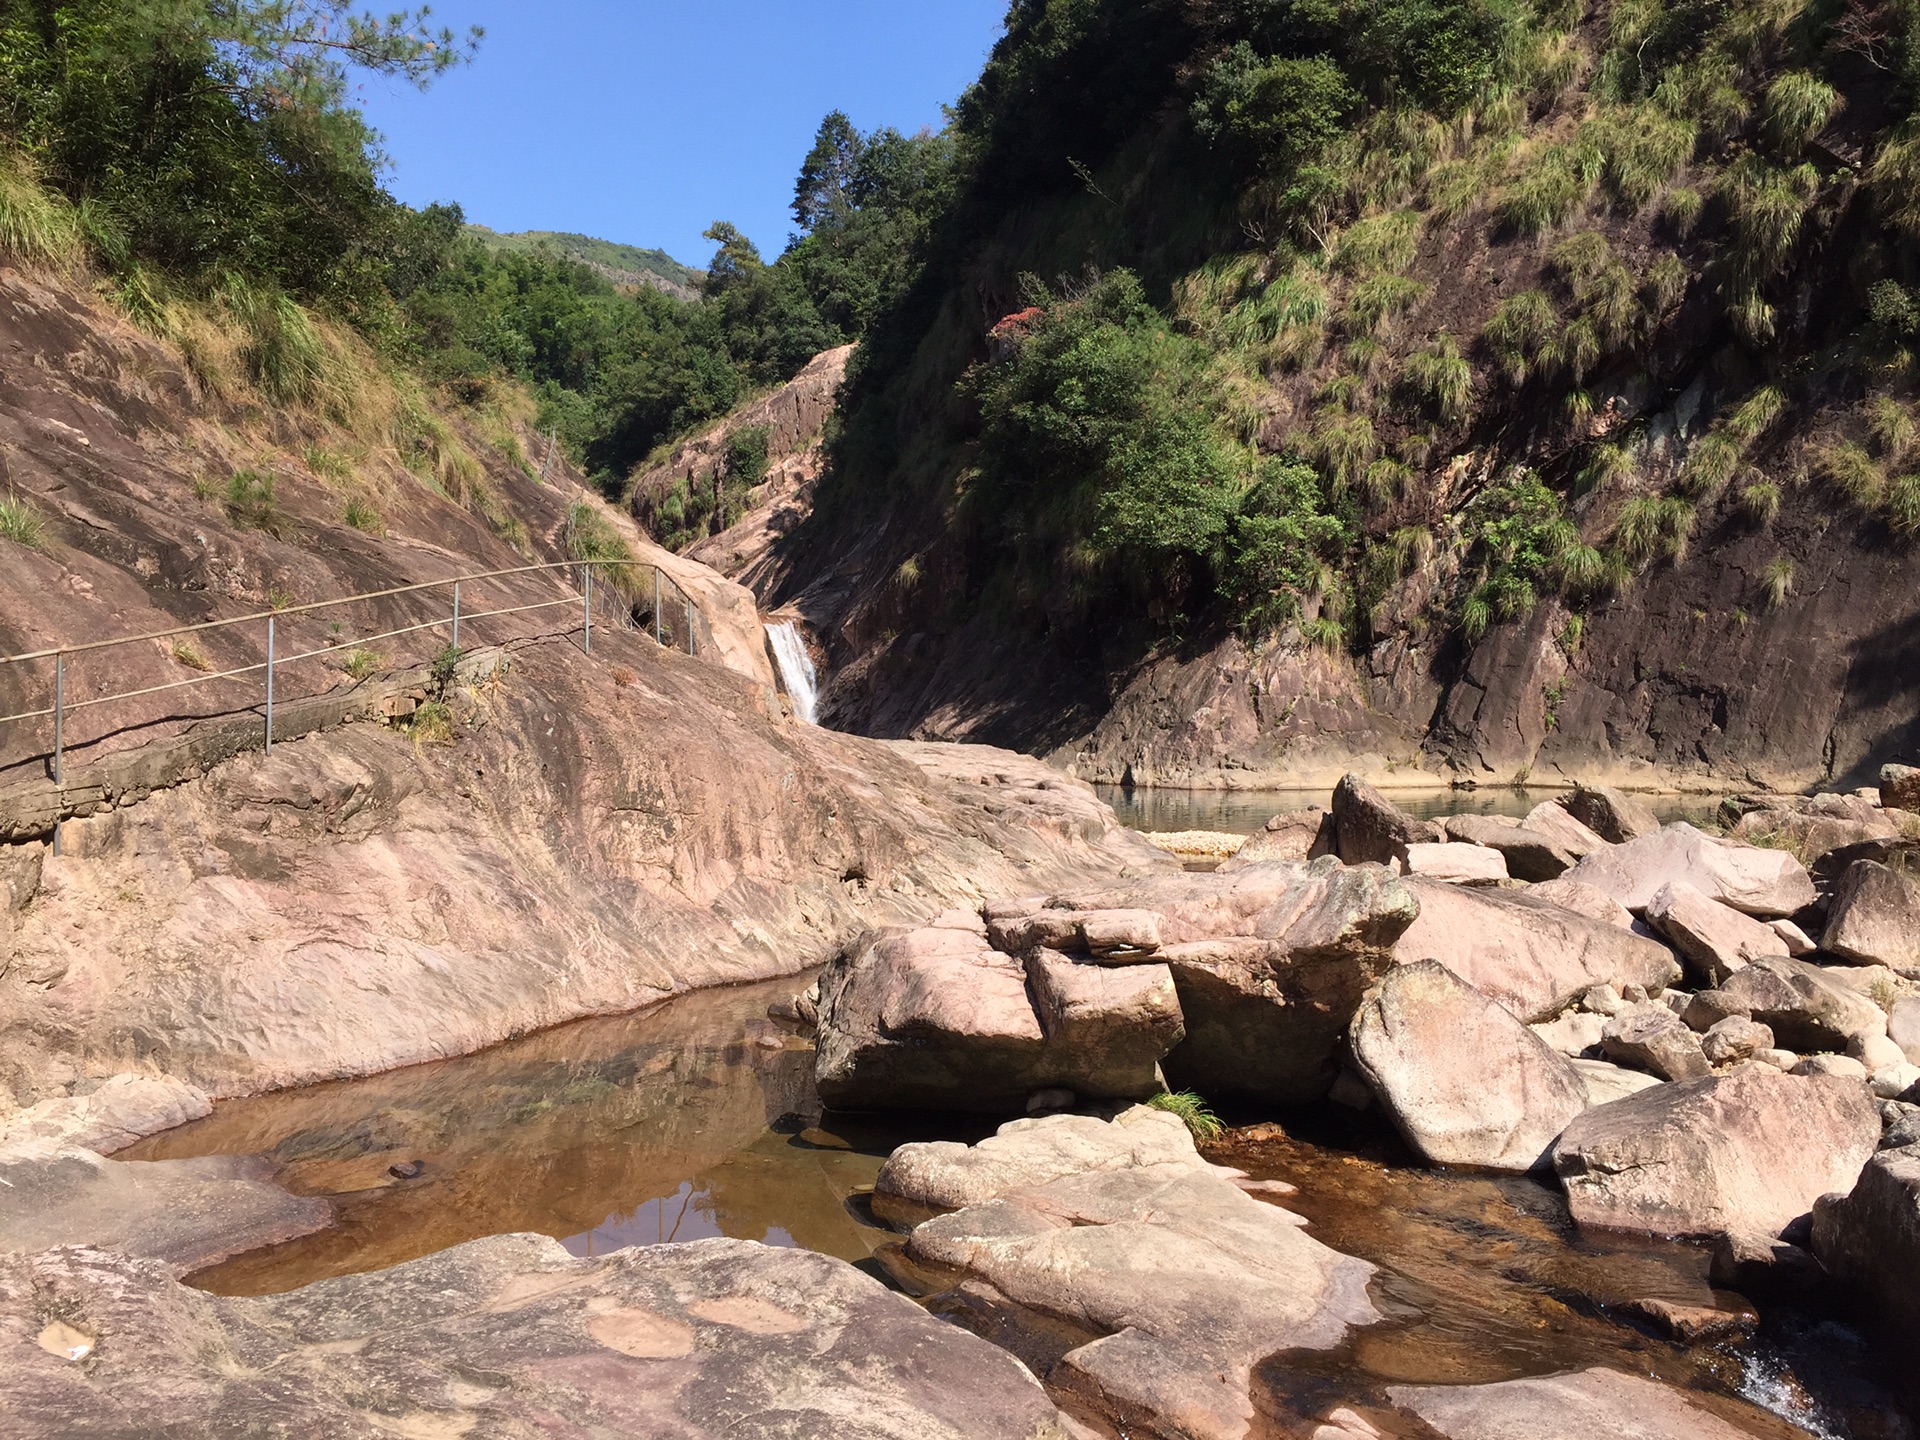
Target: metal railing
{"points": [[671, 622]]}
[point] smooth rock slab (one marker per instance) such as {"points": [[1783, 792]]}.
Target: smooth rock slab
{"points": [[1467, 1083], [1654, 1039], [1582, 899], [120, 1111], [1457, 863], [188, 1214], [1582, 1405], [1745, 1152], [1763, 883], [1805, 1006], [1613, 815], [509, 1337], [1529, 854], [1294, 835], [1179, 1283], [1875, 918], [1533, 957]]}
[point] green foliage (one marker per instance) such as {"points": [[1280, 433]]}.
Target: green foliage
{"points": [[360, 662], [363, 517], [444, 669], [1378, 298], [1548, 190], [1517, 539], [1276, 112], [1798, 107], [1524, 330], [21, 523], [1760, 501], [251, 502], [1854, 473], [1441, 377], [1903, 505], [1653, 527], [432, 723], [1200, 1121], [1280, 543], [1776, 581]]}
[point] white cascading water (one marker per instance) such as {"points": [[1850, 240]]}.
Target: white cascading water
{"points": [[796, 668]]}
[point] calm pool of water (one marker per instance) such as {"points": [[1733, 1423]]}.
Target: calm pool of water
{"points": [[1241, 812]]}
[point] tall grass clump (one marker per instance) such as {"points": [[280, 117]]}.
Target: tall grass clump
{"points": [[21, 523], [37, 226], [1442, 378], [1200, 1121], [1798, 107]]}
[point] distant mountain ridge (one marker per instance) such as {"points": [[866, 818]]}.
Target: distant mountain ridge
{"points": [[622, 264]]}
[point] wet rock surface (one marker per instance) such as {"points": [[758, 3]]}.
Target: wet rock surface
{"points": [[1572, 1407], [510, 1336], [1745, 1152]]}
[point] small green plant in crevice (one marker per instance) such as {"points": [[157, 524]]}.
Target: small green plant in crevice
{"points": [[432, 723], [1200, 1121], [364, 518], [186, 653], [360, 662], [21, 523], [1554, 694], [279, 599], [445, 667], [251, 502], [1777, 581]]}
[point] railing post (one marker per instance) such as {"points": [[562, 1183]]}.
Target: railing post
{"points": [[689, 600], [657, 632], [586, 595], [456, 614], [60, 718], [269, 684]]}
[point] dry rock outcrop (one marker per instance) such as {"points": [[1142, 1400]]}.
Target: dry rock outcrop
{"points": [[1715, 938], [1805, 1006], [1467, 1083], [1874, 918], [1746, 1152], [1532, 956], [1529, 854], [1763, 883], [1368, 828], [1173, 1280], [1292, 835], [510, 1337], [1652, 1038], [1613, 815]]}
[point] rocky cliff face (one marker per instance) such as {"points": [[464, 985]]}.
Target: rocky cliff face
{"points": [[575, 834]]}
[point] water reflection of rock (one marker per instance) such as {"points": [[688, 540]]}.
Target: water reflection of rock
{"points": [[563, 1133]]}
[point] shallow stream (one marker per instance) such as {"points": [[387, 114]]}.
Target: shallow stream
{"points": [[697, 1118], [1241, 812]]}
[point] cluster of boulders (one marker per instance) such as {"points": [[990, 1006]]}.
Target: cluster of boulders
{"points": [[1698, 1034]]}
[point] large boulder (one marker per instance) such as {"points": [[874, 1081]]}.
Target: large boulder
{"points": [[507, 1336], [1456, 863], [1164, 1285], [1874, 918], [1552, 819], [1745, 1152], [1529, 854], [1903, 1026], [1468, 1084], [1581, 1405], [1804, 1005], [1869, 1238], [1293, 835], [1716, 938], [1813, 825], [1582, 899], [1900, 787], [1369, 828], [1269, 962], [1757, 882], [937, 1018], [1532, 956], [1613, 815]]}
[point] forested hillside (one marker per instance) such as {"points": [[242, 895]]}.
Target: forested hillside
{"points": [[1467, 345], [622, 264], [204, 162]]}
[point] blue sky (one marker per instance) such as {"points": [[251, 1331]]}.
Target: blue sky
{"points": [[646, 121]]}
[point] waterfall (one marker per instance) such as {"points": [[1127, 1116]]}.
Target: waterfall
{"points": [[796, 668]]}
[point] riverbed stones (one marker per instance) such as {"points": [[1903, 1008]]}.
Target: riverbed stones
{"points": [[1903, 1026], [1532, 956], [510, 1336], [1734, 1039], [937, 1018], [1612, 814], [1466, 1082], [1369, 828], [1580, 1405], [1757, 882], [1652, 1038], [1716, 939], [1748, 1151], [1176, 1281], [1454, 863], [187, 1214], [1606, 1081], [1875, 918], [1805, 1007], [1869, 1237], [110, 1117]]}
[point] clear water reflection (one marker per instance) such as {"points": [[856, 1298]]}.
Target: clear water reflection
{"points": [[1241, 812]]}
